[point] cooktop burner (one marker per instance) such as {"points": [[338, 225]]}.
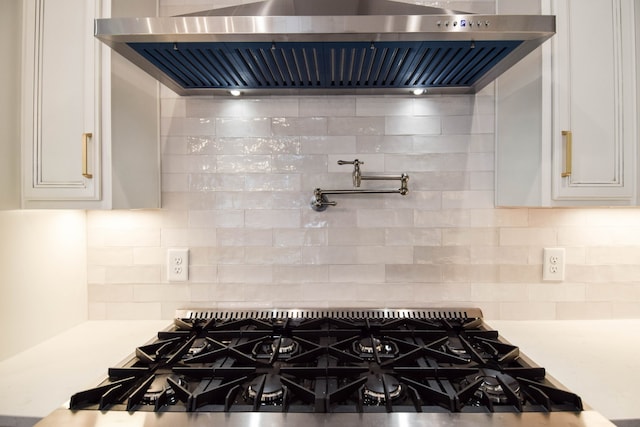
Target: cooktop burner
{"points": [[341, 362]]}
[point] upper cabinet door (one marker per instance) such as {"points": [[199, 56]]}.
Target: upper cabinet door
{"points": [[594, 115], [61, 144]]}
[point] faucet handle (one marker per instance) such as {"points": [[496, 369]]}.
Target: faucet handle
{"points": [[357, 175], [354, 162]]}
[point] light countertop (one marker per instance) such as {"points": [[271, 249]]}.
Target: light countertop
{"points": [[594, 359]]}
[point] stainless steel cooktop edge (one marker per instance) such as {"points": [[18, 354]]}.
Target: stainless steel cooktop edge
{"points": [[63, 417]]}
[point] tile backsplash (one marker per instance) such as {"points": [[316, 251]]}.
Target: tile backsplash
{"points": [[237, 179]]}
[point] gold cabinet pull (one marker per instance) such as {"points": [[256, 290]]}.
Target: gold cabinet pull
{"points": [[85, 160], [567, 153]]}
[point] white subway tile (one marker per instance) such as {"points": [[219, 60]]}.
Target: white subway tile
{"points": [[245, 274], [175, 237], [460, 273], [384, 106], [438, 181], [109, 256], [384, 254], [245, 163], [584, 310], [300, 237], [470, 236], [215, 182], [148, 256], [325, 295], [428, 162], [456, 105], [508, 292], [225, 254], [385, 144], [556, 292], [417, 237], [162, 293], [200, 164], [216, 219], [301, 274], [109, 293], [477, 123], [355, 126], [439, 255], [242, 126], [413, 273], [356, 273], [369, 218], [276, 218], [528, 310], [272, 255], [467, 200], [276, 182], [500, 218], [299, 163], [132, 274], [520, 273], [313, 126], [323, 255], [177, 145], [423, 200], [442, 218], [327, 144], [511, 255], [428, 294], [599, 255], [174, 182], [338, 106], [533, 236], [356, 236], [123, 238], [371, 294], [271, 145], [244, 237], [240, 108], [274, 292], [409, 125], [201, 237]]}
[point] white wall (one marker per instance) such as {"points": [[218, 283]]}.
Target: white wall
{"points": [[43, 284]]}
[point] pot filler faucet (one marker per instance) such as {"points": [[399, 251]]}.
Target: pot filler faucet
{"points": [[320, 203]]}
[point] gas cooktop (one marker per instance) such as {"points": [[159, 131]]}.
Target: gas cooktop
{"points": [[356, 367]]}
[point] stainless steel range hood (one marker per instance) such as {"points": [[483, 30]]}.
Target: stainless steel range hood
{"points": [[284, 47]]}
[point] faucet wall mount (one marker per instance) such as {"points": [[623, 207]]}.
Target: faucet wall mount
{"points": [[320, 202]]}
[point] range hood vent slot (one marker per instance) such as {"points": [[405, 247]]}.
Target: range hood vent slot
{"points": [[324, 65], [322, 47]]}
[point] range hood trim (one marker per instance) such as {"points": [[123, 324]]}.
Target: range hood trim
{"points": [[531, 30]]}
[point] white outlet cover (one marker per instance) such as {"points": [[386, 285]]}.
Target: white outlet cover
{"points": [[178, 264], [553, 264]]}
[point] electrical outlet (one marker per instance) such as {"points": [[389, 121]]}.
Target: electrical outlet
{"points": [[178, 265], [553, 264]]}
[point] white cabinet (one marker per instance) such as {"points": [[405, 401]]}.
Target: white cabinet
{"points": [[567, 120], [594, 126], [10, 13], [75, 154]]}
